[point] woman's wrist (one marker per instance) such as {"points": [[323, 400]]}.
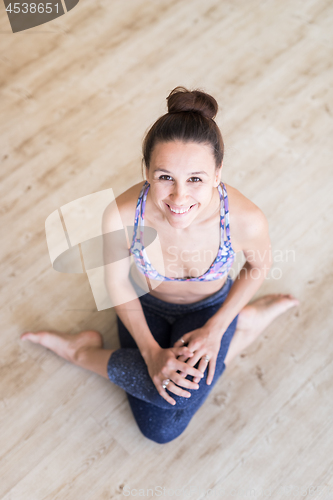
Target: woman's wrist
{"points": [[216, 327], [149, 350]]}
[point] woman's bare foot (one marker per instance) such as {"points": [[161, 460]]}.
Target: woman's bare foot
{"points": [[254, 318], [65, 345], [84, 349]]}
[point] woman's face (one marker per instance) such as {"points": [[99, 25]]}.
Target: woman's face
{"points": [[182, 178]]}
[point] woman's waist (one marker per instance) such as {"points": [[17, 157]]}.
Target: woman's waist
{"points": [[187, 294]]}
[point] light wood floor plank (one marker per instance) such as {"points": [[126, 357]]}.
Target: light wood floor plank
{"points": [[77, 95]]}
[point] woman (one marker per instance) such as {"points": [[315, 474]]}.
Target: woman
{"points": [[181, 318]]}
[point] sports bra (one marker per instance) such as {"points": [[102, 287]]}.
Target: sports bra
{"points": [[218, 268]]}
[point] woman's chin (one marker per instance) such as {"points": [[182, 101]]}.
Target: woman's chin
{"points": [[180, 223]]}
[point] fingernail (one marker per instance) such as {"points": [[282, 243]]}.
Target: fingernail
{"points": [[197, 387]]}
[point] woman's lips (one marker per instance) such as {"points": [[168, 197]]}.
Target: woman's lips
{"points": [[179, 215]]}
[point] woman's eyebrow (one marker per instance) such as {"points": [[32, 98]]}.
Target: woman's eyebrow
{"points": [[191, 173], [202, 172], [161, 170]]}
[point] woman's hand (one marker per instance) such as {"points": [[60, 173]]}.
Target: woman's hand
{"points": [[203, 344], [163, 364]]}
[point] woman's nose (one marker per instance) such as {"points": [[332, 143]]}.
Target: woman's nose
{"points": [[179, 194]]}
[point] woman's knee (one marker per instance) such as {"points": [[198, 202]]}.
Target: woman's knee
{"points": [[160, 435]]}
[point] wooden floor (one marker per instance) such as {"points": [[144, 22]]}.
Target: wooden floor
{"points": [[77, 95]]}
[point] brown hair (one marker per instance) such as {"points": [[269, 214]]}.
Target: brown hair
{"points": [[189, 118]]}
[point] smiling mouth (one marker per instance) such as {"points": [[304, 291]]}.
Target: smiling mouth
{"points": [[180, 211]]}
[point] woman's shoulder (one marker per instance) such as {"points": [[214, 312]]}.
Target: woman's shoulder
{"points": [[246, 219], [125, 204], [238, 202]]}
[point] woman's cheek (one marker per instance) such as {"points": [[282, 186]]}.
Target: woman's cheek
{"points": [[160, 189]]}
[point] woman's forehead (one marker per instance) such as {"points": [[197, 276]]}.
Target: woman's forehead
{"points": [[181, 154]]}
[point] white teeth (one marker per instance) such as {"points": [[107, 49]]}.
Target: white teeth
{"points": [[179, 211]]}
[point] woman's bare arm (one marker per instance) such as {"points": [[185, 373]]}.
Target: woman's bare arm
{"points": [[161, 363], [253, 237], [120, 289]]}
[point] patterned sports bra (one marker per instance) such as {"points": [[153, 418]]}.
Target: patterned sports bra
{"points": [[219, 268]]}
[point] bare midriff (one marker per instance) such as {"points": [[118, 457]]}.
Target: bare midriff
{"points": [[180, 292]]}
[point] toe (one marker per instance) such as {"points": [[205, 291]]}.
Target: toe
{"points": [[294, 299], [28, 336]]}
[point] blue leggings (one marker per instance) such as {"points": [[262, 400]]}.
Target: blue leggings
{"points": [[157, 419]]}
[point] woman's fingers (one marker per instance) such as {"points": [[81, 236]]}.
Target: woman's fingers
{"points": [[172, 387], [183, 358], [183, 355], [178, 391], [181, 341], [162, 392], [184, 382], [211, 371], [187, 369], [182, 351], [166, 396], [195, 358], [202, 367]]}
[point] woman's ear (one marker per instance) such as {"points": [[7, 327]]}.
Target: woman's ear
{"points": [[142, 169], [217, 178]]}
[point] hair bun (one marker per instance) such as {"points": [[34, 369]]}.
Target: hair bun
{"points": [[180, 99]]}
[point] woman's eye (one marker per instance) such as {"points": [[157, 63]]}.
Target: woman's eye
{"points": [[168, 177]]}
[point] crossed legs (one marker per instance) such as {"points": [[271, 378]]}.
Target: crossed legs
{"points": [[85, 349]]}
